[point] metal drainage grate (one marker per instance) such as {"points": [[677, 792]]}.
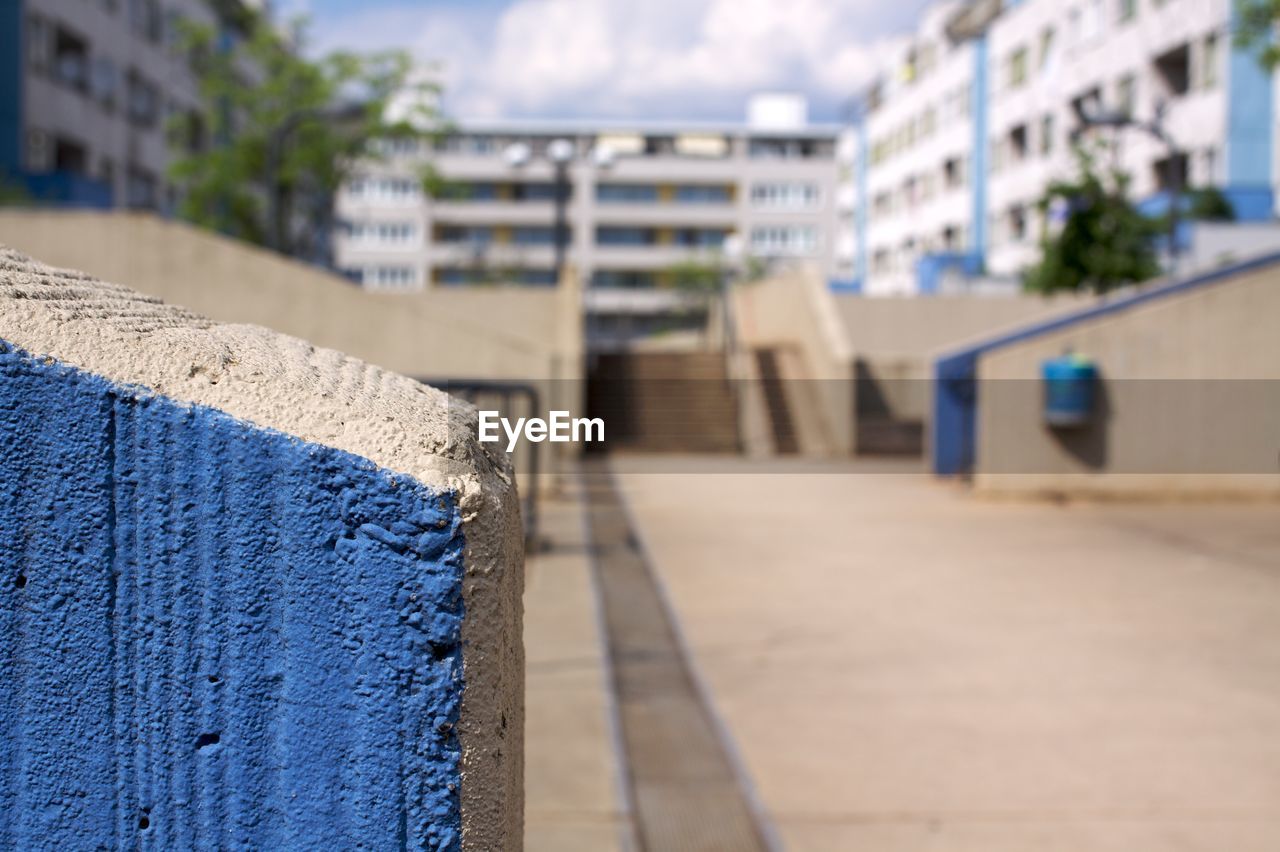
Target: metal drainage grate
{"points": [[685, 793]]}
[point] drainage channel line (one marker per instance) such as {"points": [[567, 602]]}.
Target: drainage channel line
{"points": [[686, 795]]}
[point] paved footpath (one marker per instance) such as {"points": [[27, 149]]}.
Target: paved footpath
{"points": [[573, 798], [904, 667]]}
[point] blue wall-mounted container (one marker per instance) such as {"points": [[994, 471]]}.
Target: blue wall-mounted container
{"points": [[1070, 387]]}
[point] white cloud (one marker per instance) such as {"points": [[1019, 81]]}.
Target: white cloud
{"points": [[646, 58]]}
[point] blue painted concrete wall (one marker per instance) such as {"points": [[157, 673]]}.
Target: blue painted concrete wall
{"points": [[957, 395], [216, 636]]}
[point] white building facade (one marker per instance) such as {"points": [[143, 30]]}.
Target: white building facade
{"points": [[959, 142], [642, 200]]}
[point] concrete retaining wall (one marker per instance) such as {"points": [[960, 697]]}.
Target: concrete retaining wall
{"points": [[794, 311], [255, 594], [519, 333], [886, 344], [1189, 401]]}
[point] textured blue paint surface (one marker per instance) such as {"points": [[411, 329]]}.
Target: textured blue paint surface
{"points": [[216, 636]]}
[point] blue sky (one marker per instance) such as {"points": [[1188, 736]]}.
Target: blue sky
{"points": [[651, 59]]}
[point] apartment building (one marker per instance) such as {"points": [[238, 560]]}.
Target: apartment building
{"points": [[96, 96], [641, 200], [960, 139]]}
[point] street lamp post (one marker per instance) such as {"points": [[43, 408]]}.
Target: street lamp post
{"points": [[560, 153], [733, 250], [1154, 128]]}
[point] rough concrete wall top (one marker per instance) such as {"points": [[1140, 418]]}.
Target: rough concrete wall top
{"points": [[321, 396]]}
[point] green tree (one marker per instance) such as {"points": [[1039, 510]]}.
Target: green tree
{"points": [[1103, 241], [1208, 204], [1255, 29], [695, 275], [284, 132]]}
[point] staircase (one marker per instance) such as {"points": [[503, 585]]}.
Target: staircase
{"points": [[785, 441], [670, 402]]}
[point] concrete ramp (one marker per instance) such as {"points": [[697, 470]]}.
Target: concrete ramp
{"points": [[255, 594]]}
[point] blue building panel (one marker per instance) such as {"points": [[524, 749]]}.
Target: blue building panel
{"points": [[978, 175], [217, 636], [1250, 132], [11, 61]]}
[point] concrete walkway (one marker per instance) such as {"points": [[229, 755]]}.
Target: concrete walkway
{"points": [[572, 792], [906, 668]]}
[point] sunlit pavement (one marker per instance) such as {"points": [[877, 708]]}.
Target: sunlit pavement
{"points": [[902, 666], [573, 801]]}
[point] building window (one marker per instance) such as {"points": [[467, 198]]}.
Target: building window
{"points": [[383, 189], [141, 189], [699, 238], [105, 82], [386, 233], [1209, 63], [143, 100], [390, 277], [146, 20], [467, 234], [1210, 166], [1091, 21], [1126, 10], [1046, 134], [37, 43], [1018, 143], [71, 60], [625, 236], [536, 236], [780, 240], [1017, 72], [536, 277], [626, 193], [783, 149], [699, 194], [1173, 70], [1017, 223], [785, 196], [953, 173], [1127, 94], [536, 192], [623, 279], [1046, 49], [70, 156]]}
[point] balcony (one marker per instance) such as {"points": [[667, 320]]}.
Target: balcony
{"points": [[492, 255], [492, 212], [658, 256], [670, 214]]}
